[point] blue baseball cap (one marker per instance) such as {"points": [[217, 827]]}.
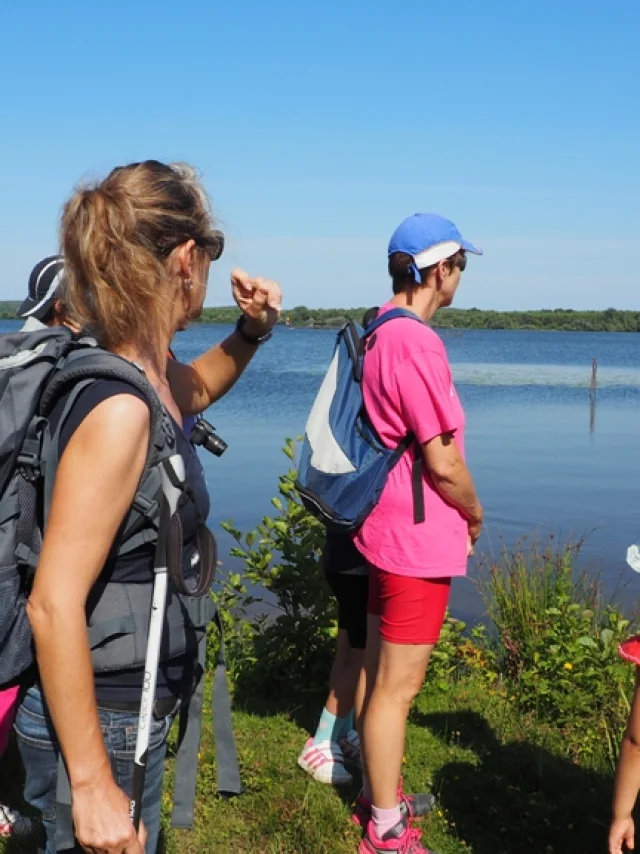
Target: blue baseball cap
{"points": [[428, 238]]}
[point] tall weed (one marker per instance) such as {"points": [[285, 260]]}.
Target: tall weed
{"points": [[556, 642]]}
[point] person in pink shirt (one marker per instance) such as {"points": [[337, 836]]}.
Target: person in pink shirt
{"points": [[408, 390]]}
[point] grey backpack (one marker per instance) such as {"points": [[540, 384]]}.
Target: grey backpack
{"points": [[36, 369]]}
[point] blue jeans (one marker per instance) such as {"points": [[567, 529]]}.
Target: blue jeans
{"points": [[39, 751]]}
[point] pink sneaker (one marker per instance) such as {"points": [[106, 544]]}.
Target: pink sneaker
{"points": [[350, 747], [324, 762], [411, 806], [401, 839]]}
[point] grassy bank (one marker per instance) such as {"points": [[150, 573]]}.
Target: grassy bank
{"points": [[503, 783]]}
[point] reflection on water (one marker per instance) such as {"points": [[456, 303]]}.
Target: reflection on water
{"points": [[592, 412], [508, 374], [551, 376], [593, 388]]}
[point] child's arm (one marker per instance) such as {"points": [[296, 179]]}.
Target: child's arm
{"points": [[627, 780]]}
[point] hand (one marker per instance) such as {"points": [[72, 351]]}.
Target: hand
{"points": [[470, 549], [260, 300], [101, 820], [621, 831], [475, 526]]}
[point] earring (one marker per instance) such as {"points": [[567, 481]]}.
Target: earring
{"points": [[187, 284]]}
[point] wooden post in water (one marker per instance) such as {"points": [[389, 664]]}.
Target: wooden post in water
{"points": [[592, 395]]}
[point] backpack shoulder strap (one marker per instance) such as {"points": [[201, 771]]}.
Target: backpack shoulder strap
{"points": [[392, 314], [80, 369], [87, 365], [409, 441]]}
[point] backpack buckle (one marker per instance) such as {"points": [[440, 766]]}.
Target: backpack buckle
{"points": [[29, 466], [26, 556], [28, 460]]}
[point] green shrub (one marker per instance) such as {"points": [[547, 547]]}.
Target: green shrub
{"points": [[556, 643], [279, 614], [461, 652]]}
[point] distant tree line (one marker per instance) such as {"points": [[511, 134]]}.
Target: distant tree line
{"points": [[8, 309], [566, 319], [300, 316], [610, 320]]}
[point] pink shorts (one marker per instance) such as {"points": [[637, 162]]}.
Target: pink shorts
{"points": [[411, 610]]}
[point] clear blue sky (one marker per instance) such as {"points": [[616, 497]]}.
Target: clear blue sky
{"points": [[319, 126]]}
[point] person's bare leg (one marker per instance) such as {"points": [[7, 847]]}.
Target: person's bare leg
{"points": [[343, 681], [320, 757], [399, 676], [369, 667], [366, 683]]}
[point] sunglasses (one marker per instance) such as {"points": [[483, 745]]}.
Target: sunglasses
{"points": [[461, 261], [213, 245]]}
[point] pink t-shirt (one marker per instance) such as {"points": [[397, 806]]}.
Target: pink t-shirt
{"points": [[408, 388]]}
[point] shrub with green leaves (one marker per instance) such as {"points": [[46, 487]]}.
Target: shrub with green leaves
{"points": [[556, 643], [287, 646], [462, 651]]}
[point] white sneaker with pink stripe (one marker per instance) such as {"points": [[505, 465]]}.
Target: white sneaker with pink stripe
{"points": [[325, 763]]}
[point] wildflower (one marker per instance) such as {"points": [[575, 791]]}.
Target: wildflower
{"points": [[568, 666]]}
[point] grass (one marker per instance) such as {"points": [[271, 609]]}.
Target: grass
{"points": [[503, 783]]}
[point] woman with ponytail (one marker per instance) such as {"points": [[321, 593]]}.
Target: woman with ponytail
{"points": [[137, 248]]}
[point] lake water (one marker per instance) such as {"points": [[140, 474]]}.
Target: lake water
{"points": [[539, 463]]}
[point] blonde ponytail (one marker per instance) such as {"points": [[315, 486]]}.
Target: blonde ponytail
{"points": [[116, 237]]}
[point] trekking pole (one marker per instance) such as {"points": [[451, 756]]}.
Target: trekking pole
{"points": [[173, 476]]}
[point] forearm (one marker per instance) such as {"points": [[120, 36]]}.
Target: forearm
{"points": [[627, 779], [221, 367], [456, 486], [66, 673], [209, 377]]}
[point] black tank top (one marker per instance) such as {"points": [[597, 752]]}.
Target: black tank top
{"points": [[125, 686]]}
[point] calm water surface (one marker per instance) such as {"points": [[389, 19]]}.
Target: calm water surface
{"points": [[539, 463]]}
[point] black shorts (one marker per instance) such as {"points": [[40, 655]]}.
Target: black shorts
{"points": [[348, 576], [352, 595]]}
